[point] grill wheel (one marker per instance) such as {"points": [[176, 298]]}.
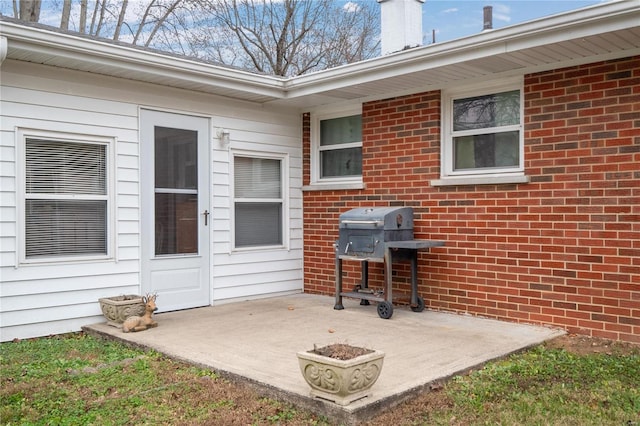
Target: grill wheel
{"points": [[385, 310]]}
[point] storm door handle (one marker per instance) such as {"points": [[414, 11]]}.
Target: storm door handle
{"points": [[206, 217]]}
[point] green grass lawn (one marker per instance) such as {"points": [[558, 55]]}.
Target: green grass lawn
{"points": [[77, 379], [553, 387]]}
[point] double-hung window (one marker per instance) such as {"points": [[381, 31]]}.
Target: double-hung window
{"points": [[337, 147], [483, 134], [259, 201], [66, 197]]}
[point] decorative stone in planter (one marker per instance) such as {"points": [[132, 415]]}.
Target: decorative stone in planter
{"points": [[118, 308], [342, 381]]}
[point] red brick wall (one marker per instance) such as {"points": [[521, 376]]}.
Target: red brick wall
{"points": [[562, 250]]}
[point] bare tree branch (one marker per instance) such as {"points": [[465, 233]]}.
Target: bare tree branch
{"points": [[93, 18], [143, 21], [288, 37], [170, 9], [103, 9], [123, 11]]}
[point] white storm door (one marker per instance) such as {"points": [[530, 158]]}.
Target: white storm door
{"points": [[175, 215]]}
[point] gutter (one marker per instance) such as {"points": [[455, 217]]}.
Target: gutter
{"points": [[113, 56], [3, 49]]}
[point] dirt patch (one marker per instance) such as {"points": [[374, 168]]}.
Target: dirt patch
{"points": [[584, 345], [341, 351]]}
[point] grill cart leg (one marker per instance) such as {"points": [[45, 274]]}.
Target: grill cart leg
{"points": [[419, 307], [338, 306], [365, 281], [417, 302], [385, 309]]}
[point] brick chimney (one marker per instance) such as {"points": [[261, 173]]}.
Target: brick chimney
{"points": [[487, 13], [401, 24]]}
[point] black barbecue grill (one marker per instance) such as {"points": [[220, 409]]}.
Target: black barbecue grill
{"points": [[383, 235]]}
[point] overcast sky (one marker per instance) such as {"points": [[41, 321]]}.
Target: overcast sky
{"points": [[453, 19]]}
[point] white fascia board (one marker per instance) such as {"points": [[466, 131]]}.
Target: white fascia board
{"points": [[585, 22], [117, 56]]}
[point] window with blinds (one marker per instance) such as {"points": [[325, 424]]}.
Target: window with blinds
{"points": [[259, 202], [66, 198]]}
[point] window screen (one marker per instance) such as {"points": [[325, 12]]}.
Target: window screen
{"points": [[65, 198], [341, 147], [258, 201], [485, 131]]}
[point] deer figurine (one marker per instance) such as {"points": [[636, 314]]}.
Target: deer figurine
{"points": [[139, 323]]}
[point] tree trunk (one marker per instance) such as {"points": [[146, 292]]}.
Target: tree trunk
{"points": [[30, 10], [66, 11], [83, 16], [99, 13]]}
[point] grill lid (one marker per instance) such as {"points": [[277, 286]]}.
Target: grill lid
{"points": [[386, 218], [365, 231]]}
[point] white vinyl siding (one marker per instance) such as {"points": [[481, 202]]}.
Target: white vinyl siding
{"points": [[266, 271], [45, 298], [53, 294]]}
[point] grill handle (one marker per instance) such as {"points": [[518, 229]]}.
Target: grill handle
{"points": [[362, 222]]}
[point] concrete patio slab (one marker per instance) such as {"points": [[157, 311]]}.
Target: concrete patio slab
{"points": [[257, 341]]}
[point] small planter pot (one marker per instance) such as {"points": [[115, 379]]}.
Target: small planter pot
{"points": [[118, 308], [340, 381]]}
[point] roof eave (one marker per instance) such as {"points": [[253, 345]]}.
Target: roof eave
{"points": [[113, 59]]}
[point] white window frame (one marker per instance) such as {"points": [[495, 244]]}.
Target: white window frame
{"points": [[347, 182], [495, 175], [284, 197], [22, 134]]}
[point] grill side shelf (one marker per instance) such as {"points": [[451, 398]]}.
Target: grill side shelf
{"points": [[363, 296], [414, 244], [361, 258]]}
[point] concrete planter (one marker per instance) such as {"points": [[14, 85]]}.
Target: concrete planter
{"points": [[340, 381], [118, 308]]}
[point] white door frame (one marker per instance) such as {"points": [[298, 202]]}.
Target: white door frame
{"points": [[181, 280]]}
